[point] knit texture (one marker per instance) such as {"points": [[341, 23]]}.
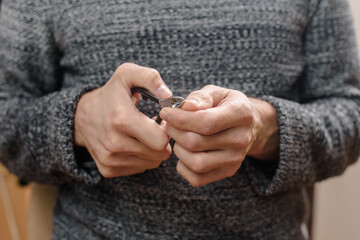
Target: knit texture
{"points": [[299, 55]]}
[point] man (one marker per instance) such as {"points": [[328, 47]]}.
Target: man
{"points": [[273, 106]]}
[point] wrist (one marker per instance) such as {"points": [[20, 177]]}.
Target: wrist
{"points": [[265, 142], [82, 114], [78, 121]]}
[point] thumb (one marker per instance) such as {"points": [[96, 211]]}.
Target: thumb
{"points": [[133, 75], [191, 104], [207, 97]]}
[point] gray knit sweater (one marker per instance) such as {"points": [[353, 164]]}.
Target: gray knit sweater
{"points": [[299, 55]]}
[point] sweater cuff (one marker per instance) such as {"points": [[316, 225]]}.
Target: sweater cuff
{"points": [[291, 169], [67, 157]]}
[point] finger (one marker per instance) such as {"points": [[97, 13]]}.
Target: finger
{"points": [[125, 117], [229, 108], [128, 120], [145, 130], [110, 172], [201, 162], [107, 172], [205, 122], [94, 156], [123, 144], [118, 161], [200, 179], [130, 171], [131, 122], [117, 165], [192, 104], [134, 75], [233, 138], [208, 97], [163, 123]]}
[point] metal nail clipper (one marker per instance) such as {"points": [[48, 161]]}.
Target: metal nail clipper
{"points": [[173, 102]]}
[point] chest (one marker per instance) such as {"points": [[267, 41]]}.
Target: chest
{"points": [[245, 45]]}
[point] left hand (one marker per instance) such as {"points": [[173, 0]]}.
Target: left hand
{"points": [[215, 129]]}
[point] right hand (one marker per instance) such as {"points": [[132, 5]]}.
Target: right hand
{"points": [[122, 140]]}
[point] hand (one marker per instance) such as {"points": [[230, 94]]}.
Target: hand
{"points": [[121, 140], [215, 129]]}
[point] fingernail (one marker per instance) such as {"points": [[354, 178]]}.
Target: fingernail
{"points": [[164, 114], [164, 92]]}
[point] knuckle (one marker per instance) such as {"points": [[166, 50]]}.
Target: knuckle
{"points": [[247, 113], [159, 157], [196, 181], [109, 145], [161, 144], [236, 107], [241, 142], [155, 164], [165, 155], [107, 162], [241, 138], [209, 126], [198, 164], [153, 75], [235, 161], [124, 67], [247, 139], [161, 139], [112, 144], [107, 172], [237, 144], [230, 172], [203, 97], [248, 119], [118, 119], [244, 140], [192, 141]]}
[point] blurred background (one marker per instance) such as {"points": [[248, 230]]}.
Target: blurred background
{"points": [[336, 213]]}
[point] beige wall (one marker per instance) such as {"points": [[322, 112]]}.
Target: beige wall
{"points": [[337, 201]]}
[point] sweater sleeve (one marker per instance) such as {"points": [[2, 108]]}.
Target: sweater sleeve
{"points": [[36, 114], [319, 136]]}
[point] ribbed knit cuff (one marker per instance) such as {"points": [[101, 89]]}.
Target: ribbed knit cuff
{"points": [[61, 131], [292, 168]]}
